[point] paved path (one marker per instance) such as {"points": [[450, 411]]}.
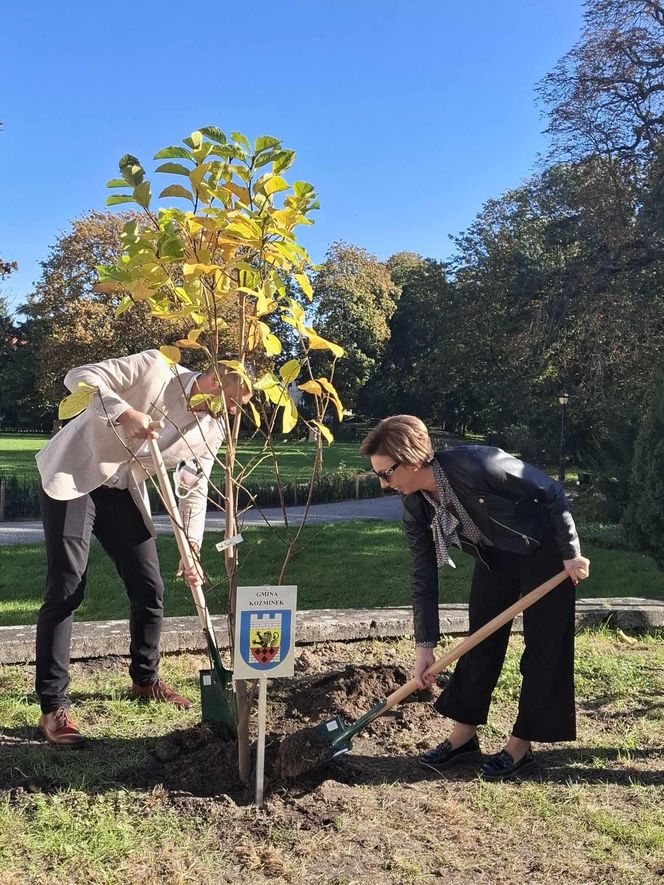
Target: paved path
{"points": [[383, 508]]}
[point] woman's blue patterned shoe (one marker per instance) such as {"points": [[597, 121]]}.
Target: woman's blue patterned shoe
{"points": [[443, 756], [502, 765]]}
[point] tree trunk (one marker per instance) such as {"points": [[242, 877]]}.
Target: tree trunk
{"points": [[243, 694]]}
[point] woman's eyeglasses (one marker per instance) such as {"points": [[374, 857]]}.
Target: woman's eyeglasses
{"points": [[386, 474]]}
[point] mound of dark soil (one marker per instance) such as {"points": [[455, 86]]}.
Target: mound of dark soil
{"points": [[350, 693], [201, 762]]}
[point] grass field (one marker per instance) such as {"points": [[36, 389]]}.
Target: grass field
{"points": [[17, 456], [591, 812], [351, 565]]}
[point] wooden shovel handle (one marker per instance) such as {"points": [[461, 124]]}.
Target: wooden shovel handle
{"points": [[478, 636], [181, 539]]}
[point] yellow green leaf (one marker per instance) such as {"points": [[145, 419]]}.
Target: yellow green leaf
{"points": [[195, 270], [289, 371], [274, 185], [185, 342], [266, 381], [108, 287], [285, 217], [318, 343], [325, 431], [125, 304], [170, 354], [304, 284], [254, 414], [237, 367], [289, 416], [196, 175], [264, 305], [142, 194], [271, 343], [312, 387], [75, 403], [176, 190], [334, 396], [296, 309]]}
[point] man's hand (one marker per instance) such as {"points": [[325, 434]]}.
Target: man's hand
{"points": [[193, 577], [578, 568], [424, 658], [138, 425]]}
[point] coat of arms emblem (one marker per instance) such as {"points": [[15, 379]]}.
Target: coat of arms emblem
{"points": [[264, 638]]}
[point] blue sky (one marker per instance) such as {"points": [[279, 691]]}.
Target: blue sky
{"points": [[406, 116]]}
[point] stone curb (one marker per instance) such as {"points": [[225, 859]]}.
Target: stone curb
{"points": [[96, 639]]}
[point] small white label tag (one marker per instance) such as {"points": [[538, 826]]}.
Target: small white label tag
{"points": [[228, 542], [331, 726], [207, 680]]}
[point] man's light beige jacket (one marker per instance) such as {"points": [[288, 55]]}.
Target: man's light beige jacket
{"points": [[92, 448]]}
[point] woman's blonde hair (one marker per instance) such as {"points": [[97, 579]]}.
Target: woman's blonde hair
{"points": [[402, 437]]}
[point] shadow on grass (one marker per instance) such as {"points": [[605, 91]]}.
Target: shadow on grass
{"points": [[649, 703], [197, 762], [584, 765]]}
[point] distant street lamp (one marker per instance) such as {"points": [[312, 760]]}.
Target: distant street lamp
{"points": [[563, 399]]}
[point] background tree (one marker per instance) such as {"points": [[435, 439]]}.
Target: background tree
{"points": [[644, 515], [69, 322], [606, 95], [404, 382], [7, 267], [354, 299]]}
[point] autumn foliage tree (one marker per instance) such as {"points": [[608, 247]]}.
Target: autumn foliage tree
{"points": [[69, 323]]}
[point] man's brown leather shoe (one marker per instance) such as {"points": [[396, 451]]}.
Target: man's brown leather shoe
{"points": [[159, 691], [59, 730]]}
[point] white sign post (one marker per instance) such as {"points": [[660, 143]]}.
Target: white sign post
{"points": [[264, 647]]}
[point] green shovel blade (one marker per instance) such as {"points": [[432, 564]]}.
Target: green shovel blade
{"points": [[217, 705], [339, 735]]}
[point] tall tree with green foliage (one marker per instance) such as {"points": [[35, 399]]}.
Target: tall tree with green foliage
{"points": [[354, 299], [644, 515], [403, 381]]}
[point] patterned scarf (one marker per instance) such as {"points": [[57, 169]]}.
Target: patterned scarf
{"points": [[445, 525]]}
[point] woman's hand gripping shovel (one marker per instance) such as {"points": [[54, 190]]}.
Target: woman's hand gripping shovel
{"points": [[311, 747], [217, 698]]}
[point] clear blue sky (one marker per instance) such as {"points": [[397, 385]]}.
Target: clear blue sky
{"points": [[406, 116]]}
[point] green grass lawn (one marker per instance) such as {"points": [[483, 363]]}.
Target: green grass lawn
{"points": [[351, 565], [590, 813], [17, 456], [18, 450]]}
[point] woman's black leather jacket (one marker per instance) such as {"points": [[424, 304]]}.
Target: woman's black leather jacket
{"points": [[515, 506]]}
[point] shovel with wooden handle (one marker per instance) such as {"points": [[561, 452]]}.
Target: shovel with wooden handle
{"points": [[217, 698], [306, 749]]}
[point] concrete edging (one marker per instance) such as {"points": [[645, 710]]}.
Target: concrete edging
{"points": [[96, 639]]}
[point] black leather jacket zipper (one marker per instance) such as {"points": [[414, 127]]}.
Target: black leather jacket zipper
{"points": [[526, 538]]}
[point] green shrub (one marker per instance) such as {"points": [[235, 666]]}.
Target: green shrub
{"points": [[21, 497], [593, 506], [607, 535]]}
